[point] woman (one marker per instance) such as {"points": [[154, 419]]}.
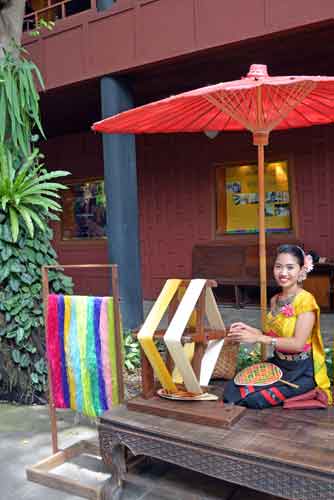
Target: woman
{"points": [[292, 329]]}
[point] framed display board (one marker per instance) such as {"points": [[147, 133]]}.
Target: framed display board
{"points": [[237, 198]]}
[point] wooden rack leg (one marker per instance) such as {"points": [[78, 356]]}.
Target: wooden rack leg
{"points": [[52, 409], [147, 376], [118, 332]]}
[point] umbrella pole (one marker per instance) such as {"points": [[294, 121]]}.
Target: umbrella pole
{"points": [[261, 140]]}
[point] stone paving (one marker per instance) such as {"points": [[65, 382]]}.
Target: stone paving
{"points": [[25, 439]]}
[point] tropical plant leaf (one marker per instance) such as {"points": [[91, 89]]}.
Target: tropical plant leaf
{"points": [[24, 360], [35, 218], [27, 219], [16, 355], [38, 187], [43, 202], [14, 223]]}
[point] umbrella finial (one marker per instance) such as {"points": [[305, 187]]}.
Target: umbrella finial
{"points": [[258, 71]]}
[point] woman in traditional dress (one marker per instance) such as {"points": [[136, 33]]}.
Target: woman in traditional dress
{"points": [[293, 330]]}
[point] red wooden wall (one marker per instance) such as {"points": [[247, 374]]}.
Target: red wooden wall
{"points": [[134, 33], [80, 154], [177, 199]]}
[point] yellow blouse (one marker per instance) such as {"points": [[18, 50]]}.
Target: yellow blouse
{"points": [[283, 325]]}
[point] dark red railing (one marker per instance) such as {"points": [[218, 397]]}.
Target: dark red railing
{"points": [[55, 10]]}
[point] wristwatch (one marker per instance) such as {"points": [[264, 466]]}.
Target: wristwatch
{"points": [[273, 342]]}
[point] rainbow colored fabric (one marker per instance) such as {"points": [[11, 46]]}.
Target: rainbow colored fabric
{"points": [[82, 353]]}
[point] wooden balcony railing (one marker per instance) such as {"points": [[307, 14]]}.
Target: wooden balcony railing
{"points": [[53, 10]]}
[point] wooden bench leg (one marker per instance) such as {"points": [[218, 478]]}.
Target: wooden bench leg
{"points": [[112, 488]]}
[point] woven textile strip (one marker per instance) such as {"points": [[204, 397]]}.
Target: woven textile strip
{"points": [[82, 353], [173, 335], [146, 334]]}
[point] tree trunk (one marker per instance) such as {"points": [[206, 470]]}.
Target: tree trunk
{"points": [[11, 22]]}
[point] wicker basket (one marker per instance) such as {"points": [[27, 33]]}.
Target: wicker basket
{"points": [[226, 365]]}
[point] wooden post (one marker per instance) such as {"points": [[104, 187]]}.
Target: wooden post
{"points": [[118, 332], [121, 186], [262, 234], [261, 139], [52, 409]]}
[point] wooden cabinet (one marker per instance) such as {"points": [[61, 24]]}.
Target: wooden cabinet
{"points": [[321, 283]]}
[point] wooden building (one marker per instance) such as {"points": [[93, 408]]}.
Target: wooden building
{"points": [[115, 55]]}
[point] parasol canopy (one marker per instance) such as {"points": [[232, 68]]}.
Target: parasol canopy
{"points": [[258, 103]]}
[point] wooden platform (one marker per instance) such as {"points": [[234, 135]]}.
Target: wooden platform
{"points": [[287, 453], [211, 413]]}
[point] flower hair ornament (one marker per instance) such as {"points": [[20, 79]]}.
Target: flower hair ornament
{"points": [[307, 267], [308, 263]]}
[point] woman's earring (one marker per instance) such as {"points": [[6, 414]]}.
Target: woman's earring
{"points": [[301, 277]]}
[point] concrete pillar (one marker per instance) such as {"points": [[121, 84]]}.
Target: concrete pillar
{"points": [[119, 154], [104, 4]]}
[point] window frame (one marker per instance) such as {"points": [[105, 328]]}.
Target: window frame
{"points": [[69, 183]]}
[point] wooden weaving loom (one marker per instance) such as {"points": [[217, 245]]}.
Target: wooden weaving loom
{"points": [[188, 302], [42, 472]]}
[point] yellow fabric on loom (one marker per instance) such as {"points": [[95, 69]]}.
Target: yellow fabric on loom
{"points": [[70, 376], [81, 316], [145, 336], [188, 348], [192, 320]]}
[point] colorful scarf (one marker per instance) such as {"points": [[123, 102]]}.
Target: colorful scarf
{"points": [[81, 349]]}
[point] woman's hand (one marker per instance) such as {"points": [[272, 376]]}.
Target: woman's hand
{"points": [[240, 332]]}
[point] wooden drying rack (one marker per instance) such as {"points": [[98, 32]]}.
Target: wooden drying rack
{"points": [[42, 472]]}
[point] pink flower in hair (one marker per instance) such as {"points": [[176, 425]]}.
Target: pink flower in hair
{"points": [[308, 263], [287, 310]]}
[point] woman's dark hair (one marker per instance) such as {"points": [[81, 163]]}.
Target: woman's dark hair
{"points": [[293, 250], [314, 256]]}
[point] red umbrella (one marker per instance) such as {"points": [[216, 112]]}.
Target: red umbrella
{"points": [[258, 103]]}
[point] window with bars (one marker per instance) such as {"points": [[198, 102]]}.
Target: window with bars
{"points": [[84, 210]]}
